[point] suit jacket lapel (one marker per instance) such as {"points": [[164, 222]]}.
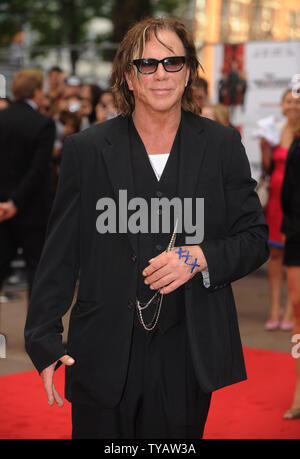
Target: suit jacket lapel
{"points": [[117, 158]]}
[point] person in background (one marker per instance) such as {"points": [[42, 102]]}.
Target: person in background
{"points": [[68, 117], [273, 159], [71, 123], [71, 104], [67, 124], [217, 112], [72, 87], [208, 112], [200, 92], [106, 108], [90, 94], [290, 200], [55, 84], [26, 138], [5, 102], [46, 106]]}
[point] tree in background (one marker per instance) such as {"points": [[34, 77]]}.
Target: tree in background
{"points": [[56, 22], [126, 12], [65, 22]]}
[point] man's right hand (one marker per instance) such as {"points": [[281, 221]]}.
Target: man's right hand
{"points": [[7, 210], [47, 377]]}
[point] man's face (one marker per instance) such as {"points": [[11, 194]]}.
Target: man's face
{"points": [[160, 91], [55, 79]]}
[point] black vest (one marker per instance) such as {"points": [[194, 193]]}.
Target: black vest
{"points": [[150, 244]]}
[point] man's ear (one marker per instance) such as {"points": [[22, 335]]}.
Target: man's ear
{"points": [[128, 77]]}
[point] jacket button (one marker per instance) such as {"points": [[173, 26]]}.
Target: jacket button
{"points": [[158, 247], [159, 194], [133, 257]]}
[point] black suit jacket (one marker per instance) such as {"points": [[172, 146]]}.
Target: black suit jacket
{"points": [[96, 164], [26, 145]]}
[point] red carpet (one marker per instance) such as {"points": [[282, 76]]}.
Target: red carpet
{"points": [[249, 410]]}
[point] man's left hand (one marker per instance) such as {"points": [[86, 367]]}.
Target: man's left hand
{"points": [[7, 210], [170, 270]]}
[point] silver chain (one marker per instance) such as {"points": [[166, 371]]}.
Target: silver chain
{"points": [[152, 324]]}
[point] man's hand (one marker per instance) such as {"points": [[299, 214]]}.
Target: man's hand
{"points": [[7, 210], [170, 270], [47, 377]]}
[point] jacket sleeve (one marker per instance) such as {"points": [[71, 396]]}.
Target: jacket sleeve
{"points": [[57, 272], [244, 246], [41, 163]]}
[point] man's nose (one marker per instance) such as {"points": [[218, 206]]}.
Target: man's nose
{"points": [[160, 72]]}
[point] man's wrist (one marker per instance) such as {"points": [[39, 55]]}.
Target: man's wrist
{"points": [[201, 259]]}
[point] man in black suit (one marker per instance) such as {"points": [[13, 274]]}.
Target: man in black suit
{"points": [[26, 139], [153, 331]]}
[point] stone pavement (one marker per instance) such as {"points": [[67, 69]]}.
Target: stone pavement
{"points": [[252, 300]]}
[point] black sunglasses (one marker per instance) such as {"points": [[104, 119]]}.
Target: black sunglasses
{"points": [[170, 64]]}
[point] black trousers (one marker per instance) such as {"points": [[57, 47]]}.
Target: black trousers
{"points": [[13, 236], [161, 398]]}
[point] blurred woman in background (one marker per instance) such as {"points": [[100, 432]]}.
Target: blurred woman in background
{"points": [[290, 200], [89, 94], [217, 112], [273, 159], [105, 108]]}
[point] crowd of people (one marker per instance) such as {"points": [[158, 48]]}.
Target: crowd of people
{"points": [[73, 105]]}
